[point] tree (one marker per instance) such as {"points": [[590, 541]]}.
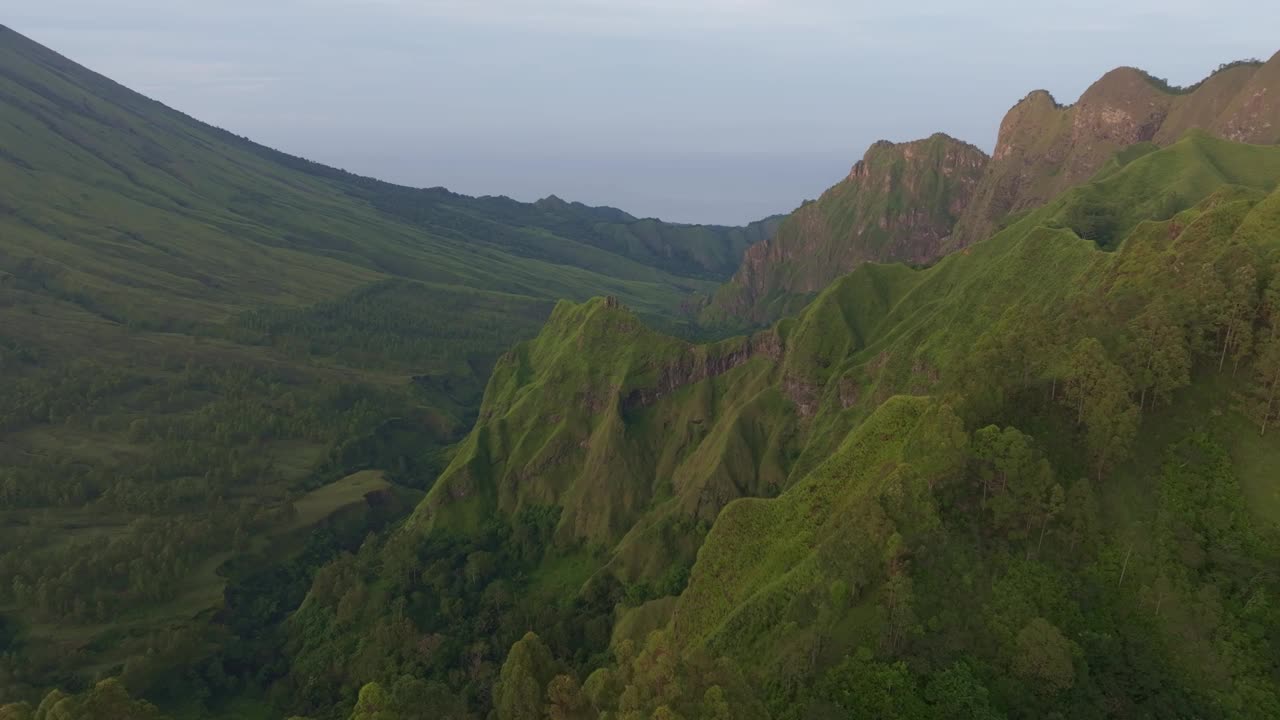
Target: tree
{"points": [[715, 706], [519, 692], [861, 687], [1044, 655], [565, 700], [1237, 313], [1262, 403], [16, 711], [1098, 391], [1052, 508], [1000, 454], [373, 703], [1021, 479], [1158, 357], [957, 693], [1081, 514]]}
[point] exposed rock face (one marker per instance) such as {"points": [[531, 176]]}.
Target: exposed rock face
{"points": [[898, 204], [696, 366], [1044, 148]]}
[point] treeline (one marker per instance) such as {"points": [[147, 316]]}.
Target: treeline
{"points": [[398, 324], [107, 699], [441, 610]]}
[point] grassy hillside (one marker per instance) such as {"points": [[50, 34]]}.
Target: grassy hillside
{"points": [[1027, 480], [198, 333]]}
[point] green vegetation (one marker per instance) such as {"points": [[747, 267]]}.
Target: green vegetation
{"points": [[1034, 479], [1015, 483], [898, 204], [201, 337]]}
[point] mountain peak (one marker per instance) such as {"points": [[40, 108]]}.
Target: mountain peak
{"points": [[1044, 147], [897, 204]]}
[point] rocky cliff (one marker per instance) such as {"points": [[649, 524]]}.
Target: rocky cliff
{"points": [[898, 204], [1044, 148]]}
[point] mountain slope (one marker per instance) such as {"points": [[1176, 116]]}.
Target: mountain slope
{"points": [[197, 333], [796, 511], [898, 204], [88, 160]]}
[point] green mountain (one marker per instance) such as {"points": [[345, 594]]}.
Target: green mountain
{"points": [[1033, 479], [898, 204], [199, 333], [1002, 486]]}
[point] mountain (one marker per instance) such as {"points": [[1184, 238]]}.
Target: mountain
{"points": [[1026, 479], [898, 204], [1033, 478], [917, 201], [1044, 148], [200, 335]]}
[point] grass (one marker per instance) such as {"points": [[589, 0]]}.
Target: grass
{"points": [[323, 502]]}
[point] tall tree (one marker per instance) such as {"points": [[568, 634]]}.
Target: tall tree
{"points": [[1157, 356], [519, 692], [1262, 401], [1045, 656], [565, 700], [1237, 314], [1098, 391]]}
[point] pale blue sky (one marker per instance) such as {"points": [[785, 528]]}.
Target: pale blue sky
{"points": [[692, 110]]}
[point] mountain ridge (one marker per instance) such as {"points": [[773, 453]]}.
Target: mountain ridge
{"points": [[790, 514], [897, 204], [1043, 147]]}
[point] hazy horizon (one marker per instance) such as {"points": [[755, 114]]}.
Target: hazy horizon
{"points": [[720, 111]]}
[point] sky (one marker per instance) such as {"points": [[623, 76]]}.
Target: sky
{"points": [[718, 111]]}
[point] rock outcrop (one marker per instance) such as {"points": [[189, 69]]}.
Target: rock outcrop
{"points": [[898, 204]]}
